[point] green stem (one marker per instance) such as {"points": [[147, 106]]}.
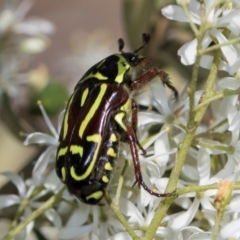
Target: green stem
{"points": [[193, 123], [217, 95], [19, 212], [218, 219], [217, 46], [227, 149], [192, 25], [47, 205], [121, 218], [120, 184], [189, 189]]}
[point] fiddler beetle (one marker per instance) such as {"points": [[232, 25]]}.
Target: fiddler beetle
{"points": [[100, 113]]}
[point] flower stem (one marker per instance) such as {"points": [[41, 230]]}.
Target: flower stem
{"points": [[47, 205], [183, 147], [121, 218]]}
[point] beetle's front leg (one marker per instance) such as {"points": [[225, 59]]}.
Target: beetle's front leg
{"points": [[149, 75]]}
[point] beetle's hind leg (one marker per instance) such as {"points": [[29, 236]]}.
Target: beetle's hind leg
{"points": [[129, 135], [137, 168], [134, 125]]}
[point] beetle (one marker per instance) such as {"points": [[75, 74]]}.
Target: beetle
{"points": [[100, 113]]}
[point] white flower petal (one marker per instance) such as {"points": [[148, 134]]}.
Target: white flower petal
{"points": [[48, 121], [206, 61], [235, 67], [27, 213], [54, 217], [176, 13], [228, 83], [17, 181], [6, 20], [188, 52], [40, 138], [230, 229], [67, 196], [160, 97], [185, 218], [190, 173], [226, 171], [121, 236], [161, 147], [60, 120], [52, 182], [203, 166], [74, 220], [33, 45], [150, 117], [201, 236], [161, 184], [231, 21], [7, 200], [130, 210], [69, 233], [234, 124], [229, 51], [43, 162], [34, 27]]}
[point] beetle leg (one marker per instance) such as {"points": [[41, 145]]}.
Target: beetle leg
{"points": [[136, 163], [135, 123], [130, 136], [149, 75]]}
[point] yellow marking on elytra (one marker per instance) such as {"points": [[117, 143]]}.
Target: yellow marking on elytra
{"points": [[65, 121], [113, 137], [62, 152], [93, 109], [77, 149], [97, 75], [105, 179], [108, 166], [111, 152], [122, 68], [63, 174], [127, 106], [101, 63], [84, 96], [96, 195], [119, 119], [97, 138]]}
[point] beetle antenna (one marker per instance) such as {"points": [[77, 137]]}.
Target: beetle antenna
{"points": [[146, 39], [120, 45]]}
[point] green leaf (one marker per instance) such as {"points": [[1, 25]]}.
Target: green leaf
{"points": [[53, 97]]}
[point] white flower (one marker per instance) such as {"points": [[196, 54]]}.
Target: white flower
{"points": [[217, 18], [47, 156], [26, 194], [12, 20]]}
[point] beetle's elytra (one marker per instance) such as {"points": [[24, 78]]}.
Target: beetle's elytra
{"points": [[99, 114]]}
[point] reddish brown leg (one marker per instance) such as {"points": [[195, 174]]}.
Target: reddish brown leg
{"points": [[149, 75], [134, 125], [137, 168]]}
